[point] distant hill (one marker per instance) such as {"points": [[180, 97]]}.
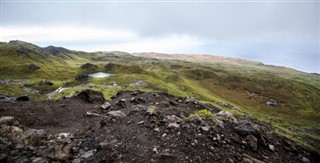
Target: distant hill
{"points": [[287, 98]]}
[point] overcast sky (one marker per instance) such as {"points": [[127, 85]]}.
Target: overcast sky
{"points": [[281, 33]]}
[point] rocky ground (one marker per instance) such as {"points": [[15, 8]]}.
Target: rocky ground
{"points": [[136, 127]]}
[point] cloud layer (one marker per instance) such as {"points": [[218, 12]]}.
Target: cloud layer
{"points": [[282, 33]]}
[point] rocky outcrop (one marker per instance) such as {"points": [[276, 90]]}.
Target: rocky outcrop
{"points": [[22, 98], [122, 130], [82, 77], [91, 96], [33, 67], [88, 66]]}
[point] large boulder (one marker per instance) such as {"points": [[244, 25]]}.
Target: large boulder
{"points": [[227, 115], [91, 96], [245, 128], [22, 98]]}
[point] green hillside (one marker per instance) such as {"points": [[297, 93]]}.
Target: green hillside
{"points": [[242, 87]]}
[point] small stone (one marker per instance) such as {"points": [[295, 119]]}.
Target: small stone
{"points": [[92, 114], [271, 147], [164, 135], [89, 153], [39, 160], [173, 119], [140, 123], [6, 120], [305, 160], [247, 160], [157, 129], [63, 135], [155, 150], [166, 152], [116, 114], [60, 155], [105, 106], [3, 157], [16, 129], [227, 115], [218, 137], [230, 160], [205, 128], [253, 142], [271, 102], [173, 125], [151, 111]]}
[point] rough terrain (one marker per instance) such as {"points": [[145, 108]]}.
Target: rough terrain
{"points": [[136, 127]]}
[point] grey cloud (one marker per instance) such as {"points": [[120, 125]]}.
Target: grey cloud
{"points": [[284, 24]]}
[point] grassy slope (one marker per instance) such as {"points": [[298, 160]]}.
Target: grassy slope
{"points": [[230, 81]]}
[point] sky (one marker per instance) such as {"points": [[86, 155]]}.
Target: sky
{"points": [[277, 32]]}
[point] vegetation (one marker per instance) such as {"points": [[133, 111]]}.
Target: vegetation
{"points": [[247, 85], [203, 113]]}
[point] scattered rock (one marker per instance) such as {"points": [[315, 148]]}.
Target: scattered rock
{"points": [[140, 123], [253, 142], [155, 150], [116, 114], [166, 136], [61, 156], [151, 111], [305, 160], [157, 129], [89, 153], [90, 114], [218, 122], [173, 119], [6, 120], [5, 98], [272, 102], [173, 125], [271, 147], [105, 106], [205, 128], [3, 157], [174, 103], [191, 99], [245, 128], [250, 159], [122, 103], [64, 135], [137, 83], [227, 115], [22, 98], [39, 160]]}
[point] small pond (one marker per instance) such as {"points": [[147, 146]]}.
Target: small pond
{"points": [[99, 75]]}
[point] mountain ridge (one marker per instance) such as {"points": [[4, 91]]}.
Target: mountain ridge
{"points": [[286, 98]]}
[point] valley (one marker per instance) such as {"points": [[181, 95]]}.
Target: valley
{"points": [[284, 99]]}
